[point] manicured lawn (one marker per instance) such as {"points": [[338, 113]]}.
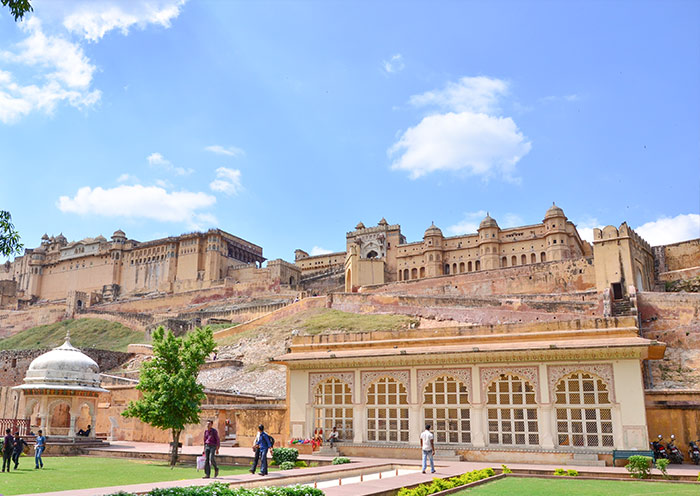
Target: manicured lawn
{"points": [[571, 487], [80, 472]]}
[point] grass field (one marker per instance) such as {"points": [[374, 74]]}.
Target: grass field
{"points": [[568, 486], [81, 472], [84, 333]]}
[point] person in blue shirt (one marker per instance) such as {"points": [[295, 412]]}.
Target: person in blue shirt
{"points": [[264, 444], [39, 448]]}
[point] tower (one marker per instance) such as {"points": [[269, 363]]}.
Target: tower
{"points": [[432, 251], [555, 234], [489, 243]]}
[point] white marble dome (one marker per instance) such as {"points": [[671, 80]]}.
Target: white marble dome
{"points": [[65, 367]]}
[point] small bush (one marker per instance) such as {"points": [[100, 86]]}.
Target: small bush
{"points": [[340, 460], [301, 464], [219, 489], [559, 471], [287, 465], [506, 470], [280, 455], [639, 466], [442, 484], [572, 472], [662, 464]]}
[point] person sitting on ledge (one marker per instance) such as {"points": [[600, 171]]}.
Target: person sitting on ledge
{"points": [[86, 432], [334, 436]]}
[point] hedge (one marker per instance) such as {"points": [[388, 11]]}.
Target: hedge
{"points": [[441, 484], [218, 489]]}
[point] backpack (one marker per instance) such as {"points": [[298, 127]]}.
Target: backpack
{"points": [[271, 439]]}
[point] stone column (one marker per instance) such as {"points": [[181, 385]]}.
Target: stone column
{"points": [[545, 412], [414, 416], [479, 425], [71, 431], [358, 410]]}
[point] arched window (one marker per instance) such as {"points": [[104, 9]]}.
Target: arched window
{"points": [[405, 274], [461, 267], [414, 273], [512, 411], [400, 274], [469, 266], [387, 411], [333, 408], [584, 412], [477, 265], [543, 257], [523, 259], [447, 269], [504, 262], [372, 254], [445, 408], [422, 272], [513, 260], [533, 258], [430, 257]]}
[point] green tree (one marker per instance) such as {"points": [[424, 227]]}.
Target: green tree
{"points": [[18, 7], [9, 238], [172, 398]]}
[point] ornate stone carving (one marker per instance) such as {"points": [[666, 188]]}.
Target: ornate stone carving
{"points": [[427, 375], [532, 374], [315, 378], [369, 377], [602, 370]]}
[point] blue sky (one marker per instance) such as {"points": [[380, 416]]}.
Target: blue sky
{"points": [[287, 123]]}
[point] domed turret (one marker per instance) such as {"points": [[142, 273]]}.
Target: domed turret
{"points": [[554, 211], [433, 230], [359, 226], [383, 222], [488, 222], [65, 367]]}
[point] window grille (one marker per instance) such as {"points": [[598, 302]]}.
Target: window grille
{"points": [[512, 412], [333, 408], [446, 409], [584, 414], [387, 411]]}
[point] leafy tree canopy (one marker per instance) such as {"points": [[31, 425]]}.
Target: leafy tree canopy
{"points": [[172, 398], [18, 7], [9, 238]]}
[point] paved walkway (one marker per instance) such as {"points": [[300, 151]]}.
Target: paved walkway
{"points": [[310, 475]]}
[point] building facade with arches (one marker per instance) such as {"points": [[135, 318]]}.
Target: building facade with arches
{"points": [[552, 392]]}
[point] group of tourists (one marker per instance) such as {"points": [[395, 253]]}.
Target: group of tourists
{"points": [[13, 446], [261, 446]]}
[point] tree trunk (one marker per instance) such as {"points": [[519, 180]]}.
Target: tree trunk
{"points": [[173, 452]]}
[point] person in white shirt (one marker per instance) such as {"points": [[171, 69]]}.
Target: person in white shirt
{"points": [[428, 447], [256, 450]]}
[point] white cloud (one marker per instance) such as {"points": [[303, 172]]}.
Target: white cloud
{"points": [[63, 73], [92, 20], [228, 181], [470, 94], [586, 226], [667, 230], [468, 136], [469, 224], [317, 250], [394, 64], [231, 151], [127, 178], [511, 220], [137, 201], [157, 160], [476, 143]]}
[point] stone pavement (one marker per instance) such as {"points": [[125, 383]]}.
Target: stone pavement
{"points": [[310, 475]]}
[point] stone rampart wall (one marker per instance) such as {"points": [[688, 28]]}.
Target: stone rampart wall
{"points": [[13, 321], [493, 310], [682, 255], [673, 318], [550, 277], [674, 412]]}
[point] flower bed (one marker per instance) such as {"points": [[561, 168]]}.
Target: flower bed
{"points": [[219, 489], [439, 485]]}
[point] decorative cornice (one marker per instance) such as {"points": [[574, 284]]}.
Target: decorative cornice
{"points": [[427, 375], [550, 355], [603, 371], [532, 374], [58, 392]]}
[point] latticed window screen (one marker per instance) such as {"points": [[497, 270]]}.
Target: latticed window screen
{"points": [[333, 407], [584, 414], [512, 411], [446, 409], [387, 411]]}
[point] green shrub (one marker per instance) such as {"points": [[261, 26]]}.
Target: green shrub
{"points": [[506, 470], [639, 466], [442, 484], [287, 465], [280, 455], [572, 472], [301, 464], [340, 460], [661, 464], [559, 471], [219, 489]]}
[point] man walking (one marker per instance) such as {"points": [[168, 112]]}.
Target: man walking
{"points": [[211, 448], [428, 447], [265, 444], [39, 447], [8, 445], [18, 448], [256, 451]]}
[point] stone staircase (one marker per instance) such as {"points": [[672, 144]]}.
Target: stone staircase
{"points": [[326, 450], [587, 460], [447, 455], [622, 307]]}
